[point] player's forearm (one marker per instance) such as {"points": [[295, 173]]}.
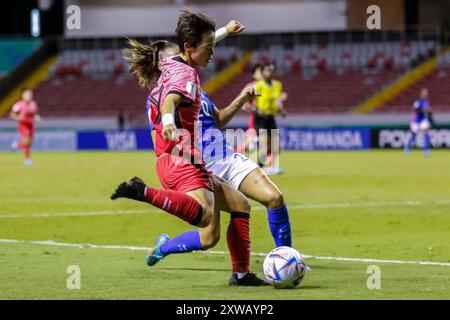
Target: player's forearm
{"points": [[169, 106], [14, 116], [227, 113]]}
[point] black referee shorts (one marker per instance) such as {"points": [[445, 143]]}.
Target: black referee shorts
{"points": [[265, 122]]}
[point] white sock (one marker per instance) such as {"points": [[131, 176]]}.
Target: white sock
{"points": [[240, 275]]}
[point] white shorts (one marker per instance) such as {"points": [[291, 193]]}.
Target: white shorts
{"points": [[422, 125], [233, 169]]}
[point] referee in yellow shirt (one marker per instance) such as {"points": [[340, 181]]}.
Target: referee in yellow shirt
{"points": [[268, 105]]}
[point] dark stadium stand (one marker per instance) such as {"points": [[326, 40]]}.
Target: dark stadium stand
{"points": [[331, 78], [438, 84]]}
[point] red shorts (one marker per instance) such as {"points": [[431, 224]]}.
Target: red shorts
{"points": [[182, 175], [26, 130]]}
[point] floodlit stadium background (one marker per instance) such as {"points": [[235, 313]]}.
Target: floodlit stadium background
{"points": [[350, 90]]}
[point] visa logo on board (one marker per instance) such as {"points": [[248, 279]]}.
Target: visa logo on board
{"points": [[122, 141]]}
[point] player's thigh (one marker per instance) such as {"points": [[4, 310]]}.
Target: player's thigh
{"points": [[414, 127], [25, 134], [258, 186], [424, 125], [205, 197], [27, 140], [228, 198], [274, 135], [263, 140]]}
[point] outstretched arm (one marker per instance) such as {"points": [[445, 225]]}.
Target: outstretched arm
{"points": [[223, 117], [232, 28]]}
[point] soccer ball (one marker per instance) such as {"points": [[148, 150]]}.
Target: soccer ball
{"points": [[284, 267]]}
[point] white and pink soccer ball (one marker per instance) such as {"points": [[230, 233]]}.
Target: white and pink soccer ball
{"points": [[284, 267]]}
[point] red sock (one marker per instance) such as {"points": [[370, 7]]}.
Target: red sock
{"points": [[271, 160], [20, 145], [26, 151], [238, 239], [177, 203]]}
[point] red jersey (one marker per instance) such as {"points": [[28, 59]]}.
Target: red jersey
{"points": [[179, 78], [27, 110]]}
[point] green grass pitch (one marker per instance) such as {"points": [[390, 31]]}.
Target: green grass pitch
{"points": [[342, 205]]}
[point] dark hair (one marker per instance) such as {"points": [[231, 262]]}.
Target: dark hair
{"points": [[191, 27], [256, 67], [143, 60], [267, 65]]}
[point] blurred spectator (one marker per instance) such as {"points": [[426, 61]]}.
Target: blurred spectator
{"points": [[121, 120]]}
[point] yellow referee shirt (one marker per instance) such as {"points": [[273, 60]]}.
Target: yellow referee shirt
{"points": [[270, 94]]}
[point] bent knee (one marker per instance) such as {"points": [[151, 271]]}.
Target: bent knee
{"points": [[210, 241], [276, 200], [244, 206], [206, 219]]}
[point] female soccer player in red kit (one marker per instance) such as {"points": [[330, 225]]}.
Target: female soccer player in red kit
{"points": [[175, 98], [25, 112]]}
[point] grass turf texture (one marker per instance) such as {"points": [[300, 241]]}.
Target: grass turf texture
{"points": [[82, 182]]}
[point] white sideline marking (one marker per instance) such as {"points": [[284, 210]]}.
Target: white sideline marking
{"points": [[256, 208], [73, 214], [259, 254], [366, 204]]}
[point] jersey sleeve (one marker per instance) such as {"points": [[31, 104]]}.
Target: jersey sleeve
{"points": [[416, 104], [16, 107], [184, 82], [279, 89], [149, 117]]}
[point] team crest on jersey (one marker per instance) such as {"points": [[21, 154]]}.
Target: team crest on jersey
{"points": [[191, 88]]}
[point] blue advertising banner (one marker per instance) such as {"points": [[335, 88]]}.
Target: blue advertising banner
{"points": [[291, 139], [136, 139], [325, 138]]}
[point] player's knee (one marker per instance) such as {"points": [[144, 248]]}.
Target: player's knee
{"points": [[244, 206], [211, 240], [276, 200], [206, 218]]}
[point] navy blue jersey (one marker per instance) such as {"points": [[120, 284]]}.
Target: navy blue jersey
{"points": [[420, 109]]}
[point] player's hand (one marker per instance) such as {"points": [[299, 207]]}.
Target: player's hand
{"points": [[38, 118], [248, 94], [283, 96], [283, 113], [234, 27], [170, 132]]}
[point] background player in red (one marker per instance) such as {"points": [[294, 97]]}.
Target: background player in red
{"points": [[250, 107], [25, 112], [175, 99]]}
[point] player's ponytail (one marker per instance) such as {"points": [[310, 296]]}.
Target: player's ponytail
{"points": [[143, 60]]}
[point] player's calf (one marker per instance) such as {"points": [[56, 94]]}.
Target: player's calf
{"points": [[176, 203]]}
